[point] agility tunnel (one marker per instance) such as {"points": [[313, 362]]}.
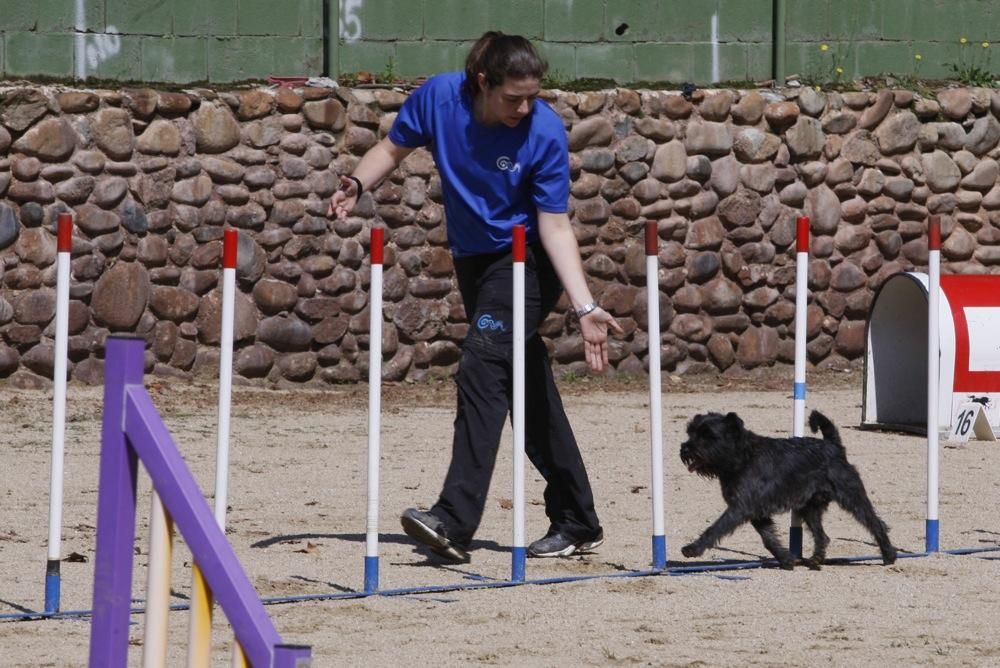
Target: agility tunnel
{"points": [[895, 367]]}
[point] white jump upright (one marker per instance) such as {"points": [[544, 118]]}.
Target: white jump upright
{"points": [[799, 387], [519, 552], [161, 542], [933, 377], [655, 394], [64, 252], [374, 406]]}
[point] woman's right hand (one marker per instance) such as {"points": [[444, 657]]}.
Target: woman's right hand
{"points": [[344, 200]]}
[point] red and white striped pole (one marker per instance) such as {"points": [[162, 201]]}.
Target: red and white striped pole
{"points": [[655, 393], [519, 552], [200, 631], [230, 244], [374, 406], [799, 388], [63, 255], [933, 378]]}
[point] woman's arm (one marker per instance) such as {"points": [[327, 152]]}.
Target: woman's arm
{"points": [[376, 164], [559, 241]]}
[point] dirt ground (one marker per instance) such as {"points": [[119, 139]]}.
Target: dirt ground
{"points": [[297, 521]]}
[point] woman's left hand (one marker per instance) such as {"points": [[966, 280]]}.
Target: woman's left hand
{"points": [[594, 328]]}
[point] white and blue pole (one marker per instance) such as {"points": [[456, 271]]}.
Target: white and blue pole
{"points": [[518, 551], [655, 391], [64, 251], [374, 406], [799, 387], [933, 372]]}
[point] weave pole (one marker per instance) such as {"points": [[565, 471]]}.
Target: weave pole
{"points": [[52, 575], [659, 542], [933, 380], [518, 552], [799, 387], [374, 406], [200, 631]]}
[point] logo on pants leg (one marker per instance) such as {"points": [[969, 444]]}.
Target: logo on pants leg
{"points": [[487, 323]]}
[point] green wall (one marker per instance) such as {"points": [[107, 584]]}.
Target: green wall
{"points": [[186, 41], [181, 41]]}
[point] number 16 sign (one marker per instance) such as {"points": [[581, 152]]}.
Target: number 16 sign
{"points": [[970, 418]]}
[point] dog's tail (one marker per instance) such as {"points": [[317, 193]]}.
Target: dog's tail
{"points": [[819, 422]]}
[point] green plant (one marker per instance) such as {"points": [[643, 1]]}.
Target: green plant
{"points": [[973, 66], [913, 81], [388, 75], [837, 57], [554, 79]]}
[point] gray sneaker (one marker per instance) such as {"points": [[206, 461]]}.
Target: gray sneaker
{"points": [[428, 530], [555, 544]]}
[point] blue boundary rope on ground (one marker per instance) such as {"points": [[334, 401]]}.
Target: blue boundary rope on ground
{"points": [[486, 583]]}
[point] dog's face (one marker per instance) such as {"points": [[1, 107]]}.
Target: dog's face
{"points": [[715, 445]]}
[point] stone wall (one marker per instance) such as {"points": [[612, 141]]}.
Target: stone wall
{"points": [[153, 178]]}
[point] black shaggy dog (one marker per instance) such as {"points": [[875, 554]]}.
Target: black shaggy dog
{"points": [[762, 476]]}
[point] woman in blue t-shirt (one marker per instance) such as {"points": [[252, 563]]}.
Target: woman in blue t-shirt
{"points": [[503, 160]]}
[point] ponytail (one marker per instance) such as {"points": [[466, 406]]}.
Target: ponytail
{"points": [[499, 56]]}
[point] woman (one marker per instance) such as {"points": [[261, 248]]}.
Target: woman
{"points": [[503, 160]]}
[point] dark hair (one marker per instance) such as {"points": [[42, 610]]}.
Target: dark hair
{"points": [[499, 56]]}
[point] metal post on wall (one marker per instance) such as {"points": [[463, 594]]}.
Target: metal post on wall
{"points": [[331, 37], [778, 49]]}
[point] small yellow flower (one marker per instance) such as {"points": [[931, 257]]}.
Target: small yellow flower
{"points": [[918, 57], [986, 45], [818, 89], [963, 41], [824, 47], [840, 70]]}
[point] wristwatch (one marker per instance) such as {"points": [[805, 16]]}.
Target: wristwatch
{"points": [[585, 309]]}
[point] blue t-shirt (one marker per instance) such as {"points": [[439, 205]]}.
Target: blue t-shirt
{"points": [[492, 177]]}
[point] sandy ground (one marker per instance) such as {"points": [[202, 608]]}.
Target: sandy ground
{"points": [[297, 521]]}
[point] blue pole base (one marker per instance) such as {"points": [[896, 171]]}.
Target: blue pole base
{"points": [[932, 536], [795, 541], [659, 552], [52, 586], [371, 574], [518, 556]]}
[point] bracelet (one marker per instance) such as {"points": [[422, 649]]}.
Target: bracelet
{"points": [[357, 182], [585, 309]]}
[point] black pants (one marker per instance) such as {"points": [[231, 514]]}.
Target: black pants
{"points": [[485, 395]]}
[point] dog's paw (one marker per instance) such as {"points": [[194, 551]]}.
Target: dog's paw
{"points": [[787, 565], [814, 563], [889, 557], [691, 550]]}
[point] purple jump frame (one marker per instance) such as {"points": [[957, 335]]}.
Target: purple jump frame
{"points": [[132, 431]]}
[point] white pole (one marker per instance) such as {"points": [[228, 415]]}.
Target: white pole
{"points": [[715, 48], [799, 387], [933, 371], [801, 319], [519, 552], [154, 649], [229, 246], [81, 41], [374, 406], [655, 394], [52, 576]]}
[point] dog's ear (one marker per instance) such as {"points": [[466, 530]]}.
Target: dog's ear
{"points": [[733, 423]]}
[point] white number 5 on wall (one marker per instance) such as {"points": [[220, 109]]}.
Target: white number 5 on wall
{"points": [[350, 20]]}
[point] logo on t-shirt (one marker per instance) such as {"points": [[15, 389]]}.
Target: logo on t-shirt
{"points": [[505, 164]]}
